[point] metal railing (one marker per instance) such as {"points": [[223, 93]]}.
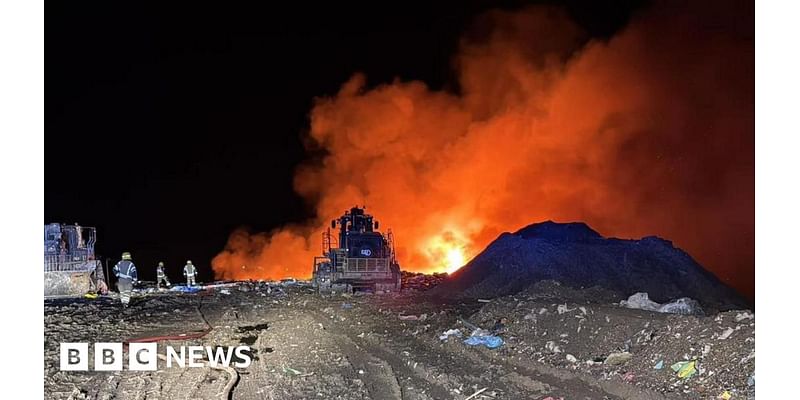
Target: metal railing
{"points": [[367, 265], [68, 264]]}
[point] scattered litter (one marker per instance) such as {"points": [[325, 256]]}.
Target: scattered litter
{"points": [[571, 358], [562, 308], [347, 306], [684, 305], [484, 301], [225, 291], [629, 377], [185, 289], [292, 371], [743, 316], [726, 395], [451, 332], [751, 380], [659, 364], [552, 347], [491, 342], [618, 358], [422, 317], [90, 296], [480, 332], [726, 334], [476, 393], [685, 369]]}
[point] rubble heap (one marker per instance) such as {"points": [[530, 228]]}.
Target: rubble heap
{"points": [[421, 282], [577, 256]]}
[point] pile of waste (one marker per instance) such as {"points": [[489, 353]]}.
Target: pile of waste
{"points": [[684, 305], [579, 257], [421, 282], [667, 352]]}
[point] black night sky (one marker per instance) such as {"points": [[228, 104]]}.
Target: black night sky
{"points": [[166, 128]]}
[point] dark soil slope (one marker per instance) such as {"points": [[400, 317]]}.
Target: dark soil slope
{"points": [[576, 255]]}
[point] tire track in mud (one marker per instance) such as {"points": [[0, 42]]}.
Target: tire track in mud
{"points": [[515, 379], [387, 360]]}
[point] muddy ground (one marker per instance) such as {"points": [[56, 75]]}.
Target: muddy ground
{"points": [[387, 346]]}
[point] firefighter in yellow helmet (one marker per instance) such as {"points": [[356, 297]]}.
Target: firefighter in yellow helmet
{"points": [[189, 271]]}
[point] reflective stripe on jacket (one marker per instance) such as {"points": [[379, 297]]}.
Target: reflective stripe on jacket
{"points": [[125, 270]]}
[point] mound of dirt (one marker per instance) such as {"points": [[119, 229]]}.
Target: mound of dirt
{"points": [[577, 256]]}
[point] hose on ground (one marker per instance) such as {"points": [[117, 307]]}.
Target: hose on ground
{"points": [[234, 376]]}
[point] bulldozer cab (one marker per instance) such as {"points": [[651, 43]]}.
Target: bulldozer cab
{"points": [[358, 258]]}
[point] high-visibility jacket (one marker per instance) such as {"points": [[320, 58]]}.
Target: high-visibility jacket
{"points": [[160, 271], [126, 270], [189, 270]]}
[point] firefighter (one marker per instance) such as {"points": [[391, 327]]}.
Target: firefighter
{"points": [[126, 277], [161, 275], [189, 271]]}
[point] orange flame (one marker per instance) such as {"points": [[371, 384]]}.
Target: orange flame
{"points": [[650, 132]]}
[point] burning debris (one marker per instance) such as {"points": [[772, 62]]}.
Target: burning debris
{"points": [[422, 282], [545, 125]]}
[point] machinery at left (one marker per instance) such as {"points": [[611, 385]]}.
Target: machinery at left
{"points": [[70, 266]]}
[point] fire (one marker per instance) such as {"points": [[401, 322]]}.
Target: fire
{"points": [[455, 259], [644, 133], [446, 252]]}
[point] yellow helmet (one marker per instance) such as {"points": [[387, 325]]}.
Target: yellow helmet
{"points": [[126, 256], [188, 261], [160, 263]]}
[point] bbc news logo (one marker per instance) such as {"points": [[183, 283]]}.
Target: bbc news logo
{"points": [[145, 356]]}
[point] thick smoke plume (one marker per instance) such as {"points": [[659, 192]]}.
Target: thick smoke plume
{"points": [[648, 132]]}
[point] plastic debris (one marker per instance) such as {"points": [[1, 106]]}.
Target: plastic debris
{"points": [[452, 332], [726, 395], [225, 291], [618, 358], [552, 347], [629, 377], [562, 308], [476, 393], [292, 371], [743, 316], [185, 289], [571, 358], [422, 317], [347, 306], [685, 369], [90, 296], [491, 342], [726, 334], [684, 305], [659, 364], [751, 380]]}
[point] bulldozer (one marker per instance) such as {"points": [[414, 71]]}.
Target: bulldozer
{"points": [[359, 258]]}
